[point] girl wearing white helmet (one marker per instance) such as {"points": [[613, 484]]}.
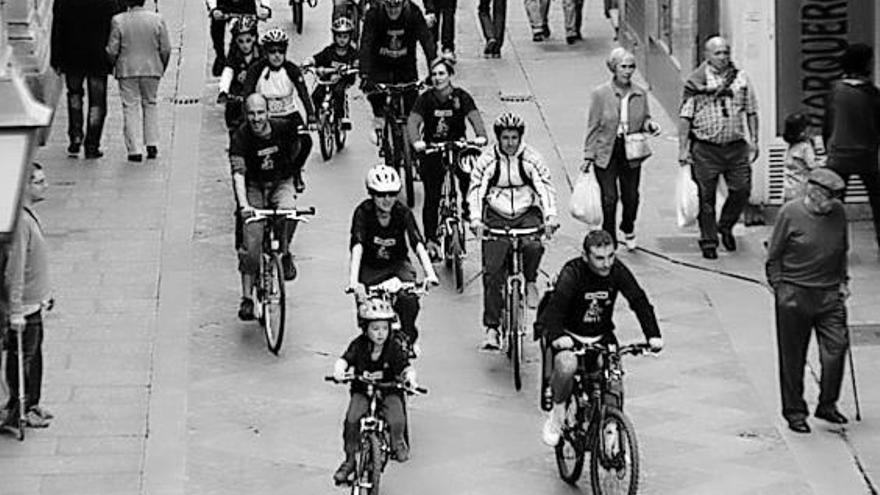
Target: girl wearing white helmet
{"points": [[380, 229], [374, 354]]}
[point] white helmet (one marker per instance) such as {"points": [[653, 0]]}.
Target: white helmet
{"points": [[375, 309], [382, 179]]}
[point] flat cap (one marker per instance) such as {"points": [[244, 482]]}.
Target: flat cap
{"points": [[826, 178]]}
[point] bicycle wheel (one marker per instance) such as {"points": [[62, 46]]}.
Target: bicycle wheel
{"points": [[614, 455], [376, 472], [408, 166], [571, 449], [363, 468], [388, 145], [515, 334], [273, 302], [325, 135], [340, 133], [297, 11], [457, 261]]}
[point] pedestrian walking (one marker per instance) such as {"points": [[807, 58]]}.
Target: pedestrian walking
{"points": [[537, 11], [440, 17], [26, 280], [139, 48], [573, 11], [807, 268], [80, 30], [493, 17], [800, 157], [618, 108], [852, 125], [713, 138]]}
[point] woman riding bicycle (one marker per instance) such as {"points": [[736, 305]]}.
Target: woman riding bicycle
{"points": [[280, 81], [510, 187], [373, 353], [243, 51], [441, 112], [219, 11], [340, 53], [380, 229]]}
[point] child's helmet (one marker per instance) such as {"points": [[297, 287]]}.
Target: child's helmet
{"points": [[342, 25], [375, 309]]}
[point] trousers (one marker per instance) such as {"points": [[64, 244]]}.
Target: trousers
{"points": [[493, 17], [96, 85], [32, 347], [628, 177], [574, 16], [537, 11], [866, 168], [732, 162], [390, 408], [280, 194], [140, 112]]}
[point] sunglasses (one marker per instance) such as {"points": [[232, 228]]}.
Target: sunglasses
{"points": [[276, 50], [385, 194]]}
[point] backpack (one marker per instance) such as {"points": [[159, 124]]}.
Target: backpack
{"points": [[537, 328], [496, 176]]}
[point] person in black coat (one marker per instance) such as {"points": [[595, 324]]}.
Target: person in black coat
{"points": [[80, 29]]}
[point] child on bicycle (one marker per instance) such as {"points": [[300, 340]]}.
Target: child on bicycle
{"points": [[341, 53], [372, 354], [243, 51]]}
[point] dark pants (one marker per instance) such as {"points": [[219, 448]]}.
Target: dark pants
{"points": [[97, 88], [218, 37], [234, 115], [866, 168], [443, 30], [496, 260], [305, 141], [377, 101], [732, 162], [32, 346], [493, 16], [619, 171], [798, 311], [390, 407], [407, 305], [433, 174]]}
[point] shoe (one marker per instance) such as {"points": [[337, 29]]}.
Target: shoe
{"points": [[152, 152], [799, 425], [73, 150], [298, 183], [491, 47], [246, 309], [135, 157], [552, 430], [727, 239], [93, 154], [33, 420], [345, 124], [832, 415], [288, 267], [401, 453], [571, 39], [497, 52], [434, 251], [531, 295], [217, 67], [340, 477], [546, 31], [10, 429], [629, 240], [42, 412], [449, 54], [493, 340], [710, 253], [537, 37], [579, 36]]}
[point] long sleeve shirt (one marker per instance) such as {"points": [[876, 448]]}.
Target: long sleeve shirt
{"points": [[388, 47], [26, 277], [510, 185], [808, 249], [583, 302]]}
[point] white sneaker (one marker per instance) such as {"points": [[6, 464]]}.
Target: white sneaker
{"points": [[551, 432], [629, 240], [493, 340], [417, 350]]}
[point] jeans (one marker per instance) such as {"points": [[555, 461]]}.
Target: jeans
{"points": [[139, 93], [433, 174], [32, 346], [97, 90], [565, 365], [798, 311], [390, 407], [406, 305], [443, 30], [537, 11], [619, 171], [866, 168], [282, 195], [493, 16], [574, 16], [496, 256], [732, 162]]}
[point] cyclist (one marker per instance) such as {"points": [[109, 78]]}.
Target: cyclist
{"points": [[261, 155], [582, 304], [380, 229], [441, 113], [218, 10], [388, 51], [242, 53], [340, 53], [510, 187], [280, 81], [372, 353]]}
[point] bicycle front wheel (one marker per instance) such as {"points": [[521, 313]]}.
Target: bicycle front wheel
{"points": [[457, 261], [515, 335], [407, 167], [297, 11], [614, 456], [325, 135], [340, 133], [571, 449], [376, 449], [273, 302]]}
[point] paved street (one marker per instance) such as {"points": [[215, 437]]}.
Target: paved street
{"points": [[158, 388]]}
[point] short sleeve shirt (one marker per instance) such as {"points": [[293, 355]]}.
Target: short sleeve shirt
{"points": [[720, 119], [444, 120], [391, 363], [329, 57], [265, 159], [384, 246]]}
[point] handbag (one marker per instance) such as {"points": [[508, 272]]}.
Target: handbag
{"points": [[635, 144]]}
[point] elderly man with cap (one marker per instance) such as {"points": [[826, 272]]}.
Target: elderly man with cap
{"points": [[807, 268]]}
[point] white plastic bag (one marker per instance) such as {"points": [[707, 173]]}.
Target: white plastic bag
{"points": [[687, 198], [586, 200]]}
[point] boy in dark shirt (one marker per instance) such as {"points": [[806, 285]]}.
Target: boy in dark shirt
{"points": [[372, 354], [340, 54]]}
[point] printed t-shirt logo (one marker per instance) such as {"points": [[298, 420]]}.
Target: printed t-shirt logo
{"points": [[393, 44], [374, 375], [442, 130], [266, 154], [597, 301], [384, 247]]}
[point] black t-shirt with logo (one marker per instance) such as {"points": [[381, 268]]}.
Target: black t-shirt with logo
{"points": [[265, 159], [384, 246], [330, 57], [391, 363], [444, 120]]}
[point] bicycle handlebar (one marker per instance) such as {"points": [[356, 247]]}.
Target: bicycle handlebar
{"points": [[460, 144], [634, 349], [293, 214], [233, 15], [393, 88], [381, 289], [392, 385], [507, 232]]}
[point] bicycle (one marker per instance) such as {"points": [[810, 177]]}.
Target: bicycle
{"points": [[513, 292], [451, 229], [595, 422], [268, 293], [331, 132], [374, 447], [296, 7], [393, 143], [389, 291]]}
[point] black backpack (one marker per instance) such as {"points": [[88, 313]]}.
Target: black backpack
{"points": [[537, 329], [496, 176]]}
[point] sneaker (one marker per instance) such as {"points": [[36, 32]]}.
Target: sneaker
{"points": [[288, 266], [491, 47], [246, 309], [571, 39], [33, 420], [449, 54], [415, 351], [340, 477], [538, 37], [552, 430], [135, 157], [401, 453], [42, 412], [434, 251], [93, 154], [73, 150], [493, 340], [546, 31], [531, 295], [152, 152], [10, 428], [629, 240], [345, 124]]}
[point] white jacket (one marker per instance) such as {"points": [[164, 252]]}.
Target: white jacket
{"points": [[512, 194]]}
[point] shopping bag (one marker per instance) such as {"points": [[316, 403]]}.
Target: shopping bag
{"points": [[687, 198], [586, 200]]}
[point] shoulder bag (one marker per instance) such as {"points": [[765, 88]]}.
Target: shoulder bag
{"points": [[636, 143]]}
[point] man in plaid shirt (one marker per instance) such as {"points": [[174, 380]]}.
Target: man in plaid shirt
{"points": [[717, 105]]}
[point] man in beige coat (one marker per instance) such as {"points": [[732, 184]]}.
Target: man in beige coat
{"points": [[139, 48]]}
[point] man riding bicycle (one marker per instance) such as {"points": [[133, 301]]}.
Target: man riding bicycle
{"points": [[340, 53], [582, 306], [388, 51], [380, 229], [510, 187], [219, 9], [280, 81], [441, 112], [261, 155]]}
